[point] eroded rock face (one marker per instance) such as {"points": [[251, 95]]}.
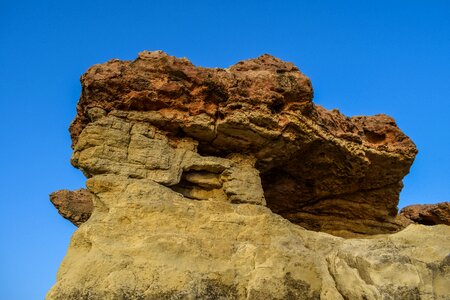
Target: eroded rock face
{"points": [[146, 241], [191, 171], [318, 168], [427, 214]]}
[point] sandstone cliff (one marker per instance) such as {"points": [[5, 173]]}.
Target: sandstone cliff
{"points": [[199, 180]]}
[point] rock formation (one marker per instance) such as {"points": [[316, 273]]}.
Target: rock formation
{"points": [[75, 206], [318, 168], [427, 214], [200, 178]]}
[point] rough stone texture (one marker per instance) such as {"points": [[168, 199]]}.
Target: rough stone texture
{"points": [[146, 241], [75, 206], [186, 167], [136, 149], [318, 168], [427, 214]]}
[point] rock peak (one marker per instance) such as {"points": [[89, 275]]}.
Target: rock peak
{"points": [[265, 62]]}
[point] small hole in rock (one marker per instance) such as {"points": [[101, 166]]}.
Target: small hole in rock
{"points": [[276, 106], [235, 106]]}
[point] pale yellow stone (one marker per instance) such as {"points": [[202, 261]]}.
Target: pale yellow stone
{"points": [[146, 241], [148, 238]]}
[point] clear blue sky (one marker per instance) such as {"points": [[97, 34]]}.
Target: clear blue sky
{"points": [[364, 57]]}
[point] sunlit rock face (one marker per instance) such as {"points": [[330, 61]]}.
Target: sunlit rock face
{"points": [[318, 168], [206, 184]]}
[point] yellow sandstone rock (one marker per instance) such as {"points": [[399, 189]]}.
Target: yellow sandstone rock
{"points": [[200, 178]]}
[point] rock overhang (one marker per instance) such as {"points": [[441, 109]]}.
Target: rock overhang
{"points": [[318, 168], [186, 166]]}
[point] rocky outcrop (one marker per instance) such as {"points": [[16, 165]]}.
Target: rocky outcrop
{"points": [[200, 177], [427, 214], [146, 241], [75, 206], [318, 168]]}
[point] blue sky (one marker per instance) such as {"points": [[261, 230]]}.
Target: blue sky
{"points": [[364, 57]]}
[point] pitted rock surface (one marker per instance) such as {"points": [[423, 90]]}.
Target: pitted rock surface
{"points": [[200, 177]]}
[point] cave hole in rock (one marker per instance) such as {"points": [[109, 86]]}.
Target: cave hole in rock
{"points": [[287, 193], [284, 192], [426, 220]]}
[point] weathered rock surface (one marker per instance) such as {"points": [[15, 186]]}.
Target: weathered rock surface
{"points": [[318, 168], [75, 206], [191, 171], [427, 214], [146, 241]]}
